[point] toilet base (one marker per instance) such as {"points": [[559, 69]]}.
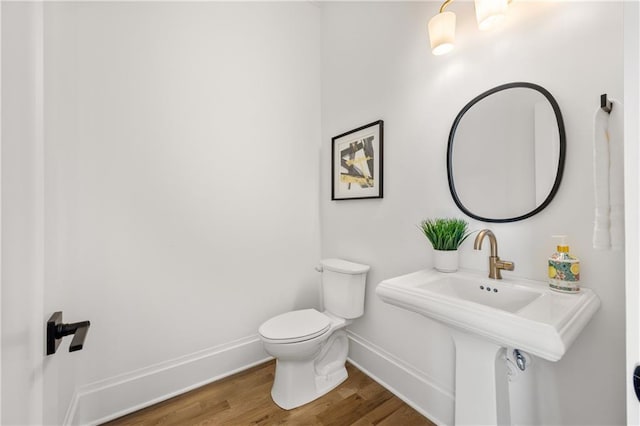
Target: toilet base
{"points": [[323, 385], [298, 382]]}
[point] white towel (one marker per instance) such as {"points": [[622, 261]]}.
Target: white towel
{"points": [[601, 225], [616, 175], [608, 230]]}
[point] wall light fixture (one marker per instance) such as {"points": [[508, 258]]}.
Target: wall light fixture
{"points": [[442, 27], [442, 30], [490, 12]]}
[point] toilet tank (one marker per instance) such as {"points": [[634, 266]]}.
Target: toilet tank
{"points": [[343, 285]]}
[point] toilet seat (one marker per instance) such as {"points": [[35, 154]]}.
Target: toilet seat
{"points": [[295, 326]]}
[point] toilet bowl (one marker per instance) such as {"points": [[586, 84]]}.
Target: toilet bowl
{"points": [[309, 362], [311, 347]]}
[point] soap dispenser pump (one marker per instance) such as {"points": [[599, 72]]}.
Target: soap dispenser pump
{"points": [[564, 269]]}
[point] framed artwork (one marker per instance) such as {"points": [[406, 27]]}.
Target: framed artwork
{"points": [[356, 163]]}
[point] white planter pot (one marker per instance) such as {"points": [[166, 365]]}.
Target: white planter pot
{"points": [[445, 260]]}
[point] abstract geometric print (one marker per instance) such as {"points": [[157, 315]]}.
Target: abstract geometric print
{"points": [[357, 163]]}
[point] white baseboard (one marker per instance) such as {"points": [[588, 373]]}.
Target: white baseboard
{"points": [[406, 382], [114, 397], [111, 398]]}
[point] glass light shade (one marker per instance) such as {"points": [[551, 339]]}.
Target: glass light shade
{"points": [[442, 32], [490, 12]]}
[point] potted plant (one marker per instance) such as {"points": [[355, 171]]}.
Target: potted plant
{"points": [[445, 235]]}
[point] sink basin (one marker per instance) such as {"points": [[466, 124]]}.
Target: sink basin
{"points": [[515, 313], [509, 298]]}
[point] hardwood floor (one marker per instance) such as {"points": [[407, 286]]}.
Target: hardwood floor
{"points": [[244, 399]]}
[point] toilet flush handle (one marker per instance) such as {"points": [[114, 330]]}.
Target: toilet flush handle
{"points": [[318, 268]]}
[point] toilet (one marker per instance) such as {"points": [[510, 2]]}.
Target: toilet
{"points": [[311, 347]]}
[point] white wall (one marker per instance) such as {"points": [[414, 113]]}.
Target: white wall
{"points": [[632, 195], [181, 170], [22, 230], [377, 65]]}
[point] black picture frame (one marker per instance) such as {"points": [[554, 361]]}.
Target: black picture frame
{"points": [[356, 163]]}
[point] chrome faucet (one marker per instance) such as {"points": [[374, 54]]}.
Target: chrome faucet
{"points": [[495, 264]]}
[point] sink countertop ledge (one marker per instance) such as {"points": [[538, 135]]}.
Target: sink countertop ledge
{"points": [[524, 314]]}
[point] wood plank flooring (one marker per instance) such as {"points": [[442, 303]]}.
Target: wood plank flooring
{"points": [[244, 399]]}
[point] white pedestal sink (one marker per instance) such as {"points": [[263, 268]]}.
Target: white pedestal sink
{"points": [[484, 317]]}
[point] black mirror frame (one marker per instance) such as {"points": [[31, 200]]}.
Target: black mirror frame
{"points": [[561, 157]]}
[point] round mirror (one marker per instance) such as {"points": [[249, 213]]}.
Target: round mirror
{"points": [[506, 153]]}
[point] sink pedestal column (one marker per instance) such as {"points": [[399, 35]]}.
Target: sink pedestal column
{"points": [[482, 393]]}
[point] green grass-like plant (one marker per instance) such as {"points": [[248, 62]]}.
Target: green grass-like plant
{"points": [[445, 233]]}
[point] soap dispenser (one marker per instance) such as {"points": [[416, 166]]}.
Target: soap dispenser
{"points": [[564, 269]]}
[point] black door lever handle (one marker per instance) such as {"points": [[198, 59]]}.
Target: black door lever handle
{"points": [[79, 336], [56, 330]]}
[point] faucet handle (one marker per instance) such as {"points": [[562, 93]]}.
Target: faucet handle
{"points": [[505, 264]]}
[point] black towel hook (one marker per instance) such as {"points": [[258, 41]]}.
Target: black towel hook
{"points": [[605, 103]]}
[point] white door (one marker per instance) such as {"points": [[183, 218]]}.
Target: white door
{"points": [[22, 349]]}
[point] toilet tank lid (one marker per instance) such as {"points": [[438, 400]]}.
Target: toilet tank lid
{"points": [[344, 266]]}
